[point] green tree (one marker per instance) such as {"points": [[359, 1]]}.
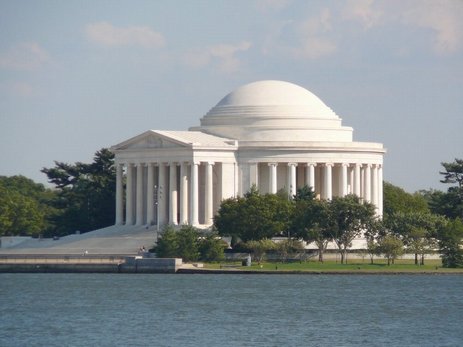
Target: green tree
{"points": [[188, 243], [348, 217], [392, 247], [450, 243], [397, 200], [453, 174], [304, 193], [287, 247], [310, 223], [211, 248], [85, 193], [416, 229], [253, 217], [259, 248], [450, 203], [24, 206], [167, 245]]}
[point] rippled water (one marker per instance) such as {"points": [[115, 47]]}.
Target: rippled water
{"points": [[230, 310]]}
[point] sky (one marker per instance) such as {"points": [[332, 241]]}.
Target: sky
{"points": [[78, 76]]}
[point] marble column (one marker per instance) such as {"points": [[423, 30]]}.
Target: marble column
{"points": [[291, 179], [350, 175], [119, 195], [183, 193], [374, 186], [129, 195], [272, 178], [367, 183], [328, 189], [380, 190], [162, 194], [150, 206], [194, 194], [310, 175], [139, 197], [173, 194], [208, 196], [357, 190], [344, 179]]}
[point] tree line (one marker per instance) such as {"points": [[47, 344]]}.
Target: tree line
{"points": [[83, 199]]}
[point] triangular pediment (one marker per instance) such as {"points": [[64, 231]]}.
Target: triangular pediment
{"points": [[151, 140]]}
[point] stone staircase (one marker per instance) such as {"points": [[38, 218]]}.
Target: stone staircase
{"points": [[113, 240]]}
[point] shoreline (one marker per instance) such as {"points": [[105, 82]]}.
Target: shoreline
{"points": [[120, 268]]}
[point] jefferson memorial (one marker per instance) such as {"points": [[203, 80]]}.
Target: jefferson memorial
{"points": [[272, 134]]}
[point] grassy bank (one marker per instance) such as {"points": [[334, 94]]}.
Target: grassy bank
{"points": [[355, 266]]}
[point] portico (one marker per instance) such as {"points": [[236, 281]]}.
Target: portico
{"points": [[270, 134]]}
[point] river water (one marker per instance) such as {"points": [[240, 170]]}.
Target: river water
{"points": [[230, 310]]}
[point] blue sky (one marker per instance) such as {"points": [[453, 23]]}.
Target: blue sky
{"points": [[76, 76]]}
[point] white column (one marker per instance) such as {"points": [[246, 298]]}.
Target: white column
{"points": [[208, 202], [162, 195], [380, 190], [374, 186], [183, 194], [291, 179], [367, 183], [119, 195], [150, 195], [310, 175], [173, 193], [344, 179], [139, 199], [194, 194], [350, 175], [129, 196], [272, 178], [357, 180], [328, 189]]}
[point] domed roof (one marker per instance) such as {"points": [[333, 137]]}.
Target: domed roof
{"points": [[269, 110], [266, 93]]}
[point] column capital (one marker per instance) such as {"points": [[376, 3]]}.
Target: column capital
{"points": [[272, 164], [292, 164], [329, 164], [345, 164], [311, 164]]}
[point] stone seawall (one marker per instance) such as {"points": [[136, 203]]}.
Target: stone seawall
{"points": [[90, 265]]}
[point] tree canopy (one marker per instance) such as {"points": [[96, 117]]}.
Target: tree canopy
{"points": [[348, 217], [398, 200], [253, 216], [24, 207], [85, 197]]}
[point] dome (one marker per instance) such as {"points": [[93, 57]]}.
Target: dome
{"points": [[273, 110], [266, 93]]}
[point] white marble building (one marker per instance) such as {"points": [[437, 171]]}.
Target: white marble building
{"points": [[272, 134]]}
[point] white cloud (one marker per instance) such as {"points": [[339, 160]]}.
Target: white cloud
{"points": [[24, 56], [108, 35], [443, 17], [314, 42], [363, 11], [223, 55]]}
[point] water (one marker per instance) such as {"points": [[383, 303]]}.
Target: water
{"points": [[230, 310]]}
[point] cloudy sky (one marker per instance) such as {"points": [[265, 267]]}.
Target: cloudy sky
{"points": [[77, 76]]}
